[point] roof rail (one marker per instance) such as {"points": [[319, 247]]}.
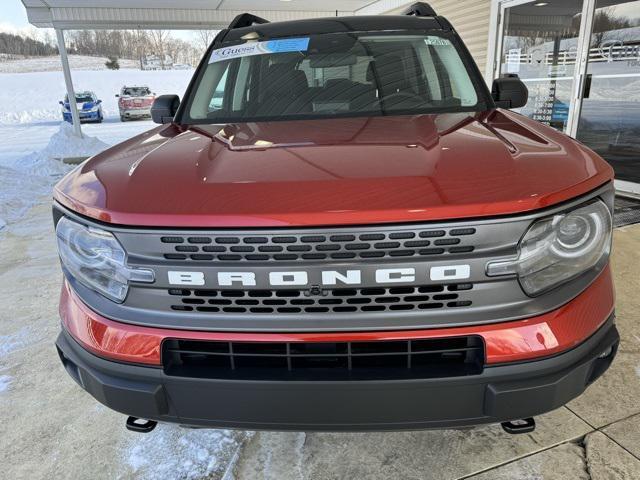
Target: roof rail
{"points": [[420, 9], [245, 20]]}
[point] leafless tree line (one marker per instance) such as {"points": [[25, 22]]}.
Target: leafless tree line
{"points": [[19, 46], [137, 44]]}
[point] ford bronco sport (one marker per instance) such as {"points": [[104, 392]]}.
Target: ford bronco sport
{"points": [[339, 227]]}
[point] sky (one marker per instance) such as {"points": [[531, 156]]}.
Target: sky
{"points": [[13, 16]]}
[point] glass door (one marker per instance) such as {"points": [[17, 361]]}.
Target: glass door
{"points": [[609, 120], [540, 43]]}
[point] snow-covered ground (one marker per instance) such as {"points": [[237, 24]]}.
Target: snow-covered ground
{"points": [[31, 97], [32, 135], [29, 164], [52, 63]]}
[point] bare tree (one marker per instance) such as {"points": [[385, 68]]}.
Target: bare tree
{"points": [[605, 21], [205, 37], [141, 44], [159, 40]]}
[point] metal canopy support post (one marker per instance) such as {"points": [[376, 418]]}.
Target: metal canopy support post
{"points": [[71, 94]]}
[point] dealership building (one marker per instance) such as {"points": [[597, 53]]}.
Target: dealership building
{"points": [[580, 59]]}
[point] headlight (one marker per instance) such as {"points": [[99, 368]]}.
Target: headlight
{"points": [[554, 250], [96, 259]]}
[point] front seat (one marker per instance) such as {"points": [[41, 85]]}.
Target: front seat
{"points": [[285, 92], [389, 75]]}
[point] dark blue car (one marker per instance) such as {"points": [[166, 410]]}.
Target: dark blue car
{"points": [[89, 107]]}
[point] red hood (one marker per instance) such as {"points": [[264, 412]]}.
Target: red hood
{"points": [[333, 172]]}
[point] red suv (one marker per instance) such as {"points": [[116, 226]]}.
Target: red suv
{"points": [[338, 228], [135, 102]]}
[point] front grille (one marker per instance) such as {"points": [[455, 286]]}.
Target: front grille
{"points": [[340, 246], [288, 286], [338, 300], [394, 359]]}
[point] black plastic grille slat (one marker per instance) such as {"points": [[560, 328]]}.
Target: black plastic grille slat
{"points": [[199, 240], [187, 248], [226, 240], [393, 359], [200, 256], [337, 300], [463, 231], [279, 247], [214, 249], [171, 239]]}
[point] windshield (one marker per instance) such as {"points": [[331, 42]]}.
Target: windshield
{"points": [[332, 75], [136, 92], [80, 98]]}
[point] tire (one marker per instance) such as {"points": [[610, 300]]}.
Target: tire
{"points": [[123, 118]]}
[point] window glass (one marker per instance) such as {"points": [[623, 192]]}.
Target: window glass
{"points": [[332, 75], [216, 100]]}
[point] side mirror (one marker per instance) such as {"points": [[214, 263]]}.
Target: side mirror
{"points": [[164, 108], [117, 95], [61, 102], [509, 92], [99, 102]]}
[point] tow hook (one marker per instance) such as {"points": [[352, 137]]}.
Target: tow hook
{"points": [[140, 425], [524, 425]]}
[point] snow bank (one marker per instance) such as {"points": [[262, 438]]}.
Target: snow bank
{"points": [[33, 97], [53, 64], [24, 180], [175, 452]]}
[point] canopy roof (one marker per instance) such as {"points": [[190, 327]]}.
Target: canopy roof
{"points": [[188, 14]]}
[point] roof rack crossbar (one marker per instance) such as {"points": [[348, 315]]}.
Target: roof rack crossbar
{"points": [[245, 20], [420, 9]]}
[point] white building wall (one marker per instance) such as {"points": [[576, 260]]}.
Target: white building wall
{"points": [[470, 18]]}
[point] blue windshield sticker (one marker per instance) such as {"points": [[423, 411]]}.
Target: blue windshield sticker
{"points": [[260, 48]]}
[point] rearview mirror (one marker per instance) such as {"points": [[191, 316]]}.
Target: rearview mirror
{"points": [[164, 108], [509, 92]]}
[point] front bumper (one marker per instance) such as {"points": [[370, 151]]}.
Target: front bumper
{"points": [[500, 393], [136, 112], [531, 366], [84, 116]]}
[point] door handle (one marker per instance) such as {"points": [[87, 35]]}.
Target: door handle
{"points": [[586, 89]]}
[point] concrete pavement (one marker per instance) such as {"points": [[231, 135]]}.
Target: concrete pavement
{"points": [[50, 428]]}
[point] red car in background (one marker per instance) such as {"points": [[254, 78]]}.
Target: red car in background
{"points": [[135, 102]]}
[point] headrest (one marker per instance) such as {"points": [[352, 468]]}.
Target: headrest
{"points": [[285, 77], [383, 65]]}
